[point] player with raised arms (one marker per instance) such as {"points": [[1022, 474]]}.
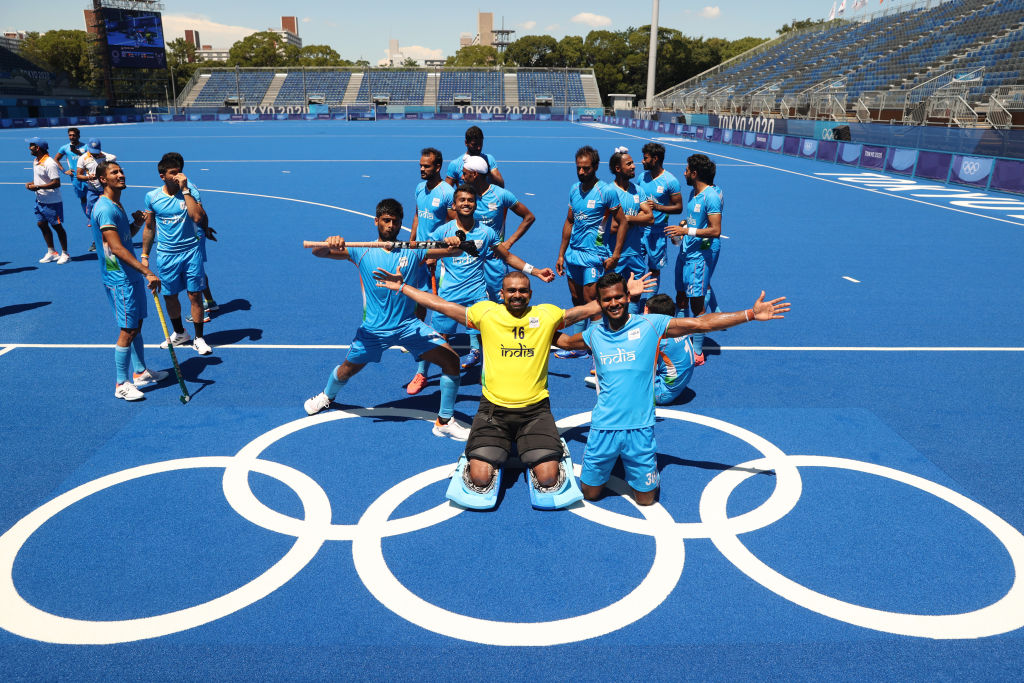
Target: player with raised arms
{"points": [[390, 319], [626, 347], [666, 197], [474, 148], [583, 256]]}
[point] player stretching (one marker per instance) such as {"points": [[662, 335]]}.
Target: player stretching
{"points": [[703, 223], [49, 207], [492, 207], [172, 214], [125, 280], [434, 198], [626, 349], [636, 207], [514, 406], [583, 256], [474, 148], [390, 320], [663, 189], [73, 150], [462, 280]]}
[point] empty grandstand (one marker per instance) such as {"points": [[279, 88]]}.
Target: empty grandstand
{"points": [[953, 62]]}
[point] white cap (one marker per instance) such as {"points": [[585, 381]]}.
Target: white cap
{"points": [[475, 163]]}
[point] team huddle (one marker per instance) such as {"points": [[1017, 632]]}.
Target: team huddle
{"points": [[614, 242]]}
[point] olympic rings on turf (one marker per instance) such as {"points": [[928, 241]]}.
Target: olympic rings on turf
{"points": [[316, 527]]}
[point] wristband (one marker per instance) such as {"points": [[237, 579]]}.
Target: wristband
{"points": [[692, 232], [527, 269], [747, 315], [401, 287], [186, 192], [145, 256]]}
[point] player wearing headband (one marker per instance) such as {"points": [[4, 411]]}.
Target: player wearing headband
{"points": [[626, 349], [636, 207], [666, 198], [474, 148], [390, 319], [492, 207], [584, 256]]}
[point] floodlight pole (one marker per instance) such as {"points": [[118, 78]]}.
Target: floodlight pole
{"points": [[652, 56]]}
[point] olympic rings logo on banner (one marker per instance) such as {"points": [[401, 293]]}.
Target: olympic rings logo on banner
{"points": [[316, 528], [970, 167]]}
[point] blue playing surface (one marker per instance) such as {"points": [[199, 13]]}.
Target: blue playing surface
{"points": [[883, 406]]}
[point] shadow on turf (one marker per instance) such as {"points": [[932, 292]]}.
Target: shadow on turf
{"points": [[222, 337], [21, 308], [711, 347], [12, 271], [90, 256], [232, 306]]}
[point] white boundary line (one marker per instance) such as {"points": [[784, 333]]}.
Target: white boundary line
{"points": [[7, 349], [825, 180], [334, 347]]}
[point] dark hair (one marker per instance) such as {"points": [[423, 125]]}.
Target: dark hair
{"points": [[653, 149], [515, 274], [616, 162], [391, 207], [76, 130], [703, 167], [436, 153], [474, 134], [588, 151], [101, 169], [610, 280], [661, 304], [175, 158], [466, 187]]}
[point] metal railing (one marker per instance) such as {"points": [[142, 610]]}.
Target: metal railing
{"points": [[998, 116], [862, 111]]}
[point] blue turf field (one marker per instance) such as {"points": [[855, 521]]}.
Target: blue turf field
{"points": [[886, 402]]}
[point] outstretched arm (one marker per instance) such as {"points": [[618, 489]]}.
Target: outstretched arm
{"points": [[762, 310], [545, 274], [394, 282], [635, 286], [335, 250], [570, 343]]}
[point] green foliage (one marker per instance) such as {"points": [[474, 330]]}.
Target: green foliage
{"points": [[532, 51], [410, 62], [475, 55], [798, 24], [65, 51], [321, 55], [264, 48]]}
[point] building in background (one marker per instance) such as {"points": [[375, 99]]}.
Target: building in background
{"points": [[487, 35], [289, 31], [208, 54], [12, 40]]}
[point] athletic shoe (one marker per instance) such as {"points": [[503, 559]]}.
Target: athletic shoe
{"points": [[128, 392], [451, 429], [50, 257], [590, 381], [211, 305], [317, 403], [178, 339], [201, 347], [64, 258], [470, 359], [419, 381], [147, 377], [698, 359], [92, 247], [563, 353], [206, 317]]}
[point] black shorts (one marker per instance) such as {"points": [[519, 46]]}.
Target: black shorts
{"points": [[531, 427]]}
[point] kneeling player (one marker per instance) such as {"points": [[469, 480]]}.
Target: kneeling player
{"points": [[625, 348], [675, 356]]}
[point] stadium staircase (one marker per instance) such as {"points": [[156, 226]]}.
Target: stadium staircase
{"points": [[511, 84], [430, 93], [196, 90], [590, 89], [354, 84], [273, 90]]}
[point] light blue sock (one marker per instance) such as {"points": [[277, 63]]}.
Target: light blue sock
{"points": [[449, 390], [121, 357], [698, 341], [138, 353], [474, 339], [711, 302], [422, 366], [334, 384]]}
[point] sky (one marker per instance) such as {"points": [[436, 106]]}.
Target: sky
{"points": [[361, 30]]}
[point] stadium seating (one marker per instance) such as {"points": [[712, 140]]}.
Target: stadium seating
{"points": [[330, 84], [401, 87], [251, 86], [484, 87], [564, 87]]}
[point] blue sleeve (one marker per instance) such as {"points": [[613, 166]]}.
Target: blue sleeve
{"points": [[492, 163], [453, 170], [149, 204], [611, 197], [449, 197], [712, 202], [586, 336], [196, 194], [673, 186], [103, 214], [660, 323], [355, 253], [509, 199]]}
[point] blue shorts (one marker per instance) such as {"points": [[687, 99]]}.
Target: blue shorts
{"points": [[91, 196], [637, 448], [494, 274], [656, 246], [129, 301], [693, 273], [584, 267], [181, 271], [631, 263], [52, 214], [202, 246], [415, 335]]}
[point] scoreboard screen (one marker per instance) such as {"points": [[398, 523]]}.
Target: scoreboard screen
{"points": [[135, 39]]}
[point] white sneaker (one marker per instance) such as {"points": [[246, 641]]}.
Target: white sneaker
{"points": [[178, 339], [590, 381], [452, 429], [317, 403], [201, 347], [128, 392], [147, 377], [50, 257], [64, 258]]}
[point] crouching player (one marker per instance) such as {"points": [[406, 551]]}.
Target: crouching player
{"points": [[625, 348]]}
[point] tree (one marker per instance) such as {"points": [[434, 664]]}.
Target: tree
{"points": [[738, 47], [320, 55], [65, 51], [475, 55], [796, 25], [410, 62], [532, 51], [264, 48], [569, 52]]}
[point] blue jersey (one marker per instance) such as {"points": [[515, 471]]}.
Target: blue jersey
{"points": [[462, 277], [588, 213], [492, 208], [630, 200], [698, 208], [198, 196], [175, 229], [384, 310], [432, 207], [72, 156], [455, 167], [107, 215], [660, 190], [625, 361], [675, 359]]}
